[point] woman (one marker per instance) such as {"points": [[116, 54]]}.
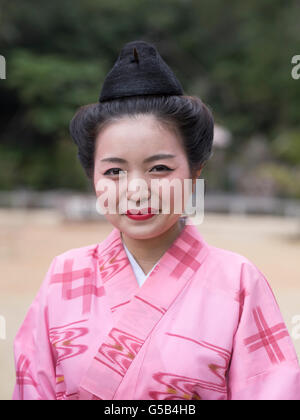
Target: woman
{"points": [[153, 311]]}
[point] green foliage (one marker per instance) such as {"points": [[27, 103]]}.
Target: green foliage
{"points": [[285, 179], [287, 146], [237, 59], [52, 87], [9, 163], [67, 172]]}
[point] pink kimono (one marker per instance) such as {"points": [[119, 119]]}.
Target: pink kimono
{"points": [[205, 325]]}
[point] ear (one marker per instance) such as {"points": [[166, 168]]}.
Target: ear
{"points": [[196, 175]]}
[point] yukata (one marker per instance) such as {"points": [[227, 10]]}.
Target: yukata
{"points": [[203, 325]]}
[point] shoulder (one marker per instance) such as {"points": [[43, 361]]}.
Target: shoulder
{"points": [[229, 262], [71, 260], [221, 255], [232, 272], [80, 252], [77, 263]]}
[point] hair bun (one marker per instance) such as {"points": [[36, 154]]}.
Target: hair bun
{"points": [[139, 70]]}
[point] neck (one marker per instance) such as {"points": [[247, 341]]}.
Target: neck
{"points": [[148, 251]]}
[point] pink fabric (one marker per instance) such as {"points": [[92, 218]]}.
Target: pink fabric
{"points": [[204, 325]]}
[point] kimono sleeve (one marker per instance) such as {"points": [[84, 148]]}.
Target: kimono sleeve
{"points": [[264, 364], [34, 361]]}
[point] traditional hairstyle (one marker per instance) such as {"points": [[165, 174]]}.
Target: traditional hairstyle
{"points": [[140, 82], [188, 115]]}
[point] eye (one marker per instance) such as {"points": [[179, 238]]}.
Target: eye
{"points": [[108, 172], [162, 168]]}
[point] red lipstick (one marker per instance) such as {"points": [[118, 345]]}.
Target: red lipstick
{"points": [[142, 214]]}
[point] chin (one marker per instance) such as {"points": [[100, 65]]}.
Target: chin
{"points": [[153, 230]]}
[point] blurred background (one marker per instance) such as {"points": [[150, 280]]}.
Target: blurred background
{"points": [[237, 58]]}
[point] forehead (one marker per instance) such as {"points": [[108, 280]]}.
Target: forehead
{"points": [[141, 134]]}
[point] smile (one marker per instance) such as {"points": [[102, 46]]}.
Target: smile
{"points": [[142, 214]]}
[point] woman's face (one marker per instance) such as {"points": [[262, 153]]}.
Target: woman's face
{"points": [[127, 149]]}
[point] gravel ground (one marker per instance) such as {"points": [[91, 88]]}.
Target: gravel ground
{"points": [[29, 240]]}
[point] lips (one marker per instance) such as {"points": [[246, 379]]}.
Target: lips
{"points": [[144, 211]]}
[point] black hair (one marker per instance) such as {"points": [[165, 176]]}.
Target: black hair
{"points": [[188, 115]]}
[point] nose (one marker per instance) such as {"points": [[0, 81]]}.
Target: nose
{"points": [[139, 196], [138, 190]]}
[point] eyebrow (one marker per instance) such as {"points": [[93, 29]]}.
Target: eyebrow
{"points": [[149, 159]]}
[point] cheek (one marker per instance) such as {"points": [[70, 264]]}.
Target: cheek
{"points": [[106, 192], [177, 191], [95, 180]]}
